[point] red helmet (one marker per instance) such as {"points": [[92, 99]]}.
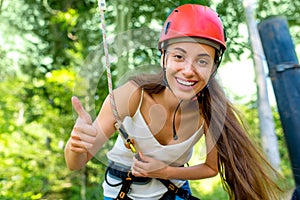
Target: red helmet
{"points": [[193, 23]]}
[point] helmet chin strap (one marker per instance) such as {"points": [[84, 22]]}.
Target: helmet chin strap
{"points": [[164, 70], [175, 137]]}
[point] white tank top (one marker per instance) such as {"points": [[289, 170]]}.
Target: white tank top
{"points": [[145, 142]]}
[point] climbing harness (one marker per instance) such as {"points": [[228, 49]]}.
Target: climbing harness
{"points": [[127, 178]]}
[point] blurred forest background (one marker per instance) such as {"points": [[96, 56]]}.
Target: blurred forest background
{"points": [[52, 49]]}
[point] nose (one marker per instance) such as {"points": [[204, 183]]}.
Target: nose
{"points": [[188, 69]]}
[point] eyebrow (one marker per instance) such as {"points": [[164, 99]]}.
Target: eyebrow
{"points": [[184, 51], [180, 49]]}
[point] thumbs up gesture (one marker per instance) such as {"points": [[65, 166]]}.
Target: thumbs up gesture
{"points": [[83, 136]]}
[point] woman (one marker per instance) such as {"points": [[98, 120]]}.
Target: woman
{"points": [[166, 114]]}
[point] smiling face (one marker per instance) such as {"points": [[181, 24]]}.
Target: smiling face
{"points": [[188, 68]]}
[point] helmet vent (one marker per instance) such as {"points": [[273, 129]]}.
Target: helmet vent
{"points": [[176, 10], [167, 27]]}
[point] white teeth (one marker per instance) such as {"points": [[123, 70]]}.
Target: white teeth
{"points": [[186, 83]]}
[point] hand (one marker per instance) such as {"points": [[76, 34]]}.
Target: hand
{"points": [[83, 136], [148, 167]]}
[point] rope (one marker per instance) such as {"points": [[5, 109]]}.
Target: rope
{"points": [[129, 143], [102, 8]]}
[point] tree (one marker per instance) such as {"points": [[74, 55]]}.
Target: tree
{"points": [[267, 127]]}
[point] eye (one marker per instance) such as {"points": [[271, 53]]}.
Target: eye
{"points": [[178, 57], [202, 62]]}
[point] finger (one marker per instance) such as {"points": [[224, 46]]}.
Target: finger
{"points": [[77, 135], [141, 157], [85, 129], [138, 174], [82, 138], [138, 157], [80, 110], [77, 143], [78, 149], [140, 166], [136, 171]]}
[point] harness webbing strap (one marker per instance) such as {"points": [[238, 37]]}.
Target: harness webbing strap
{"points": [[125, 188], [128, 178], [172, 188]]}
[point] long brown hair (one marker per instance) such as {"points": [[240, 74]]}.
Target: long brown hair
{"points": [[244, 172]]}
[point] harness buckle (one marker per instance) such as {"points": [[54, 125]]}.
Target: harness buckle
{"points": [[173, 188], [122, 195], [130, 145]]}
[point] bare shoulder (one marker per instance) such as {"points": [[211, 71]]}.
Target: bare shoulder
{"points": [[127, 98]]}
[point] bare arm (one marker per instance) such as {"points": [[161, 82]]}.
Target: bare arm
{"points": [[205, 170], [88, 137], [153, 168]]}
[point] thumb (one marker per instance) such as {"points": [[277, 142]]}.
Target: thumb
{"points": [[141, 157], [85, 116]]}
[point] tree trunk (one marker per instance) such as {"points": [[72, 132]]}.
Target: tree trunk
{"points": [[267, 128]]}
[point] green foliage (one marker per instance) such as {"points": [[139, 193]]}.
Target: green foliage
{"points": [[286, 8], [33, 135], [232, 14], [51, 50]]}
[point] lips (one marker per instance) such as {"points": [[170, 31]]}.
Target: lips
{"points": [[185, 82]]}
